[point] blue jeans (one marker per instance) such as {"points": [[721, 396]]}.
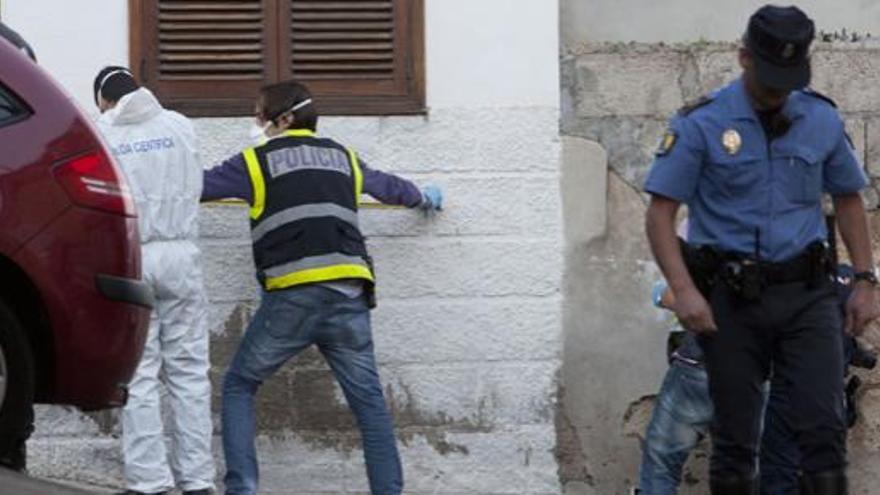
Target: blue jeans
{"points": [[682, 415], [287, 322]]}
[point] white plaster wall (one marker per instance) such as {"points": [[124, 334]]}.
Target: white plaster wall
{"points": [[673, 21], [491, 53], [476, 57], [469, 328], [468, 331], [73, 40]]}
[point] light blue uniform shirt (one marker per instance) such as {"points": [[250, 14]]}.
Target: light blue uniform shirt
{"points": [[774, 187]]}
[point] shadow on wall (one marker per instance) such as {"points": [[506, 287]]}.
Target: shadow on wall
{"points": [[615, 340]]}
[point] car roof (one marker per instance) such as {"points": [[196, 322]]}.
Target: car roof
{"points": [[54, 113], [13, 37]]}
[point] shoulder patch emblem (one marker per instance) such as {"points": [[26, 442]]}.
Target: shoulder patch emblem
{"points": [[667, 142]]}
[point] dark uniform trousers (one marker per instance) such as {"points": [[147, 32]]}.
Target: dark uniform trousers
{"points": [[795, 331]]}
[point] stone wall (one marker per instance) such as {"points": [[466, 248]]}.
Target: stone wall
{"points": [[468, 330], [616, 100], [677, 21]]}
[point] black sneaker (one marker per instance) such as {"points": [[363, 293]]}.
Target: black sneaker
{"points": [[132, 492], [203, 491]]}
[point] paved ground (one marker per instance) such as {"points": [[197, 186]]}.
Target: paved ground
{"points": [[16, 484]]}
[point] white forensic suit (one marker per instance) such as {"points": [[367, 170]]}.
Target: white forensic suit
{"points": [[156, 149]]}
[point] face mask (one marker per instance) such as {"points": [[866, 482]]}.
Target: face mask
{"points": [[257, 134], [260, 135]]}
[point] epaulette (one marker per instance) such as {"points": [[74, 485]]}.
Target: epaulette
{"points": [[700, 102], [816, 94]]}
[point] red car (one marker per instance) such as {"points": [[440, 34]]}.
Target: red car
{"points": [[73, 309]]}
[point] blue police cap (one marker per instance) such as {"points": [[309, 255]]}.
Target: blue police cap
{"points": [[780, 38]]}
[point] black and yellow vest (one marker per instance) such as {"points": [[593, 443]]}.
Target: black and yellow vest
{"points": [[304, 217]]}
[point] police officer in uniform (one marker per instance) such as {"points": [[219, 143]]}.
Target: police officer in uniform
{"points": [[315, 272], [751, 161]]}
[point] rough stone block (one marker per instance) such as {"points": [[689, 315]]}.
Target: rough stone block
{"points": [[857, 130], [472, 397], [61, 421], [850, 77], [303, 399], [505, 461], [462, 397], [867, 431], [518, 205], [584, 189], [361, 134], [629, 83], [716, 69], [521, 205], [224, 221], [482, 330], [226, 318], [450, 140], [219, 139], [872, 147], [229, 272], [93, 460], [629, 141], [523, 393], [470, 140], [511, 460], [466, 267], [291, 465], [420, 268]]}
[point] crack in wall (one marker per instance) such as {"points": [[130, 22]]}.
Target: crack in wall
{"points": [[571, 459]]}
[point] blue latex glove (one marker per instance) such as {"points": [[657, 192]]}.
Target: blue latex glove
{"points": [[432, 198], [660, 287]]}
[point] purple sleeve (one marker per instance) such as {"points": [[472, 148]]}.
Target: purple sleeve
{"points": [[389, 188], [228, 180]]}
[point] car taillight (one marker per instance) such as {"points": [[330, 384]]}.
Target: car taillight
{"points": [[93, 181]]}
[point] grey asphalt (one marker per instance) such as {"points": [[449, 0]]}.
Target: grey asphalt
{"points": [[12, 483]]}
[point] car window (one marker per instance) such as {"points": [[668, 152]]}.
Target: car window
{"points": [[12, 109]]}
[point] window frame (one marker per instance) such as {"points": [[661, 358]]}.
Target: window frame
{"points": [[278, 67], [19, 110]]}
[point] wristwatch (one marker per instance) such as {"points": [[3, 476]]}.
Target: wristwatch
{"points": [[869, 276]]}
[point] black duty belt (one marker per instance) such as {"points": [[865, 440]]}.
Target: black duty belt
{"points": [[811, 266], [748, 276], [800, 269]]}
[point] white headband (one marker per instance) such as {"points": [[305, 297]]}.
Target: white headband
{"points": [[108, 76], [306, 102]]}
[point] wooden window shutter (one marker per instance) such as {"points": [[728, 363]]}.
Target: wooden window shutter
{"points": [[358, 56], [207, 57]]}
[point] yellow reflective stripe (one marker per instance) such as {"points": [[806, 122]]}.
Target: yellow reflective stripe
{"points": [[358, 175], [324, 274], [299, 133], [259, 185]]}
